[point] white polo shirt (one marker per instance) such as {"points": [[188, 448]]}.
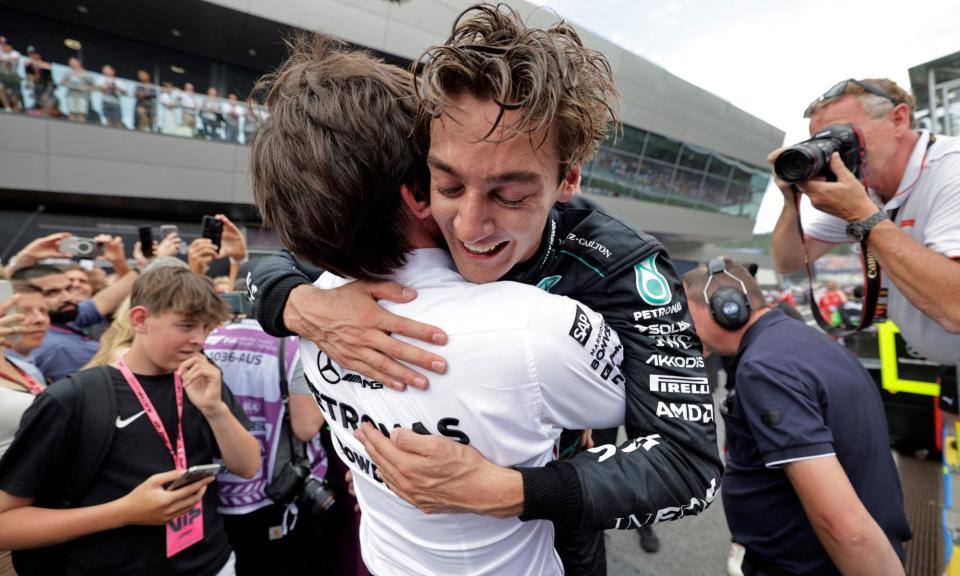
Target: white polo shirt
{"points": [[929, 202], [523, 365]]}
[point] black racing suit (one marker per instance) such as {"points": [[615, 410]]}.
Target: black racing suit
{"points": [[669, 467]]}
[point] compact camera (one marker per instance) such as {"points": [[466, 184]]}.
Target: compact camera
{"points": [[77, 246], [811, 158]]}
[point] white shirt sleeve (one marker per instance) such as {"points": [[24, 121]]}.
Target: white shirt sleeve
{"points": [[577, 357], [942, 230], [823, 226]]}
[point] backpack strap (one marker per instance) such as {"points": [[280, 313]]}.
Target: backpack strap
{"points": [[91, 430]]}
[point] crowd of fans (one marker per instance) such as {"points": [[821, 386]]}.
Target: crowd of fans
{"points": [[31, 85], [65, 319]]}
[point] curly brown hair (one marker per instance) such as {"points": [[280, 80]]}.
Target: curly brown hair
{"points": [[546, 75], [328, 161]]}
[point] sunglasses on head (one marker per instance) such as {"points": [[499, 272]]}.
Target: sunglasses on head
{"points": [[840, 88]]}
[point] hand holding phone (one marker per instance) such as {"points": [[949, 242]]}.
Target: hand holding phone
{"points": [[212, 229], [195, 474], [146, 241]]}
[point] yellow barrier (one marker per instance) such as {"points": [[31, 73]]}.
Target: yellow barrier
{"points": [[887, 336]]}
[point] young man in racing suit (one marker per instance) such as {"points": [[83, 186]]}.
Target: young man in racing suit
{"points": [[669, 467]]}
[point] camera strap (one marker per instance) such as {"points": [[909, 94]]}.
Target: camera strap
{"points": [[872, 296]]}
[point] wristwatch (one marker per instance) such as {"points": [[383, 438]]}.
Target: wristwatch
{"points": [[858, 231]]}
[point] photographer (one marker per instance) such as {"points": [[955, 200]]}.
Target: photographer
{"points": [[915, 235], [267, 518]]}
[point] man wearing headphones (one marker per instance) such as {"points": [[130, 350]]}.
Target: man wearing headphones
{"points": [[811, 487]]}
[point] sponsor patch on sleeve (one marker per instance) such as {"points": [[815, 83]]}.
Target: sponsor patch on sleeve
{"points": [[651, 284], [581, 328]]}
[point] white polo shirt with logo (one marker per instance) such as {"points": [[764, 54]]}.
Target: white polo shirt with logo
{"points": [[523, 365], [929, 203]]}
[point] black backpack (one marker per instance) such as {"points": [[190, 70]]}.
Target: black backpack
{"points": [[90, 434]]}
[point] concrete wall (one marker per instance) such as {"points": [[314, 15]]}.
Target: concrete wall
{"points": [[653, 98]]}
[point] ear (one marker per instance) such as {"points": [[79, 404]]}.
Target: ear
{"points": [[420, 208], [901, 118], [570, 184], [138, 317]]}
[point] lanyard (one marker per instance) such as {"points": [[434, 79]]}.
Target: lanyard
{"points": [[180, 455], [33, 385]]}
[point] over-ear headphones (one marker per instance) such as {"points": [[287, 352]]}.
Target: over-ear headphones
{"points": [[729, 307]]}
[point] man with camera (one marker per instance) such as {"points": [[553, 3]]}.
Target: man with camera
{"points": [[67, 346], [810, 486], [864, 134]]}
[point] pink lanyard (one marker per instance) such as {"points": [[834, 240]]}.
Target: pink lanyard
{"points": [[180, 456], [32, 385]]}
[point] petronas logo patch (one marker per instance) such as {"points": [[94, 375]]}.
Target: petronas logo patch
{"points": [[651, 284]]}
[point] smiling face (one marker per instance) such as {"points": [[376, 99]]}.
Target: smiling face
{"points": [[491, 199]]}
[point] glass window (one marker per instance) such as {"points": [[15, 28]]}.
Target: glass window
{"points": [[663, 149], [690, 158]]}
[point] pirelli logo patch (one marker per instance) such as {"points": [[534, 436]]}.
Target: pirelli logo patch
{"points": [[581, 328]]}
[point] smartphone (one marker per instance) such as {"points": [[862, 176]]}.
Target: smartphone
{"points": [[168, 229], [77, 246], [146, 241], [239, 303], [6, 291], [212, 229], [195, 474]]}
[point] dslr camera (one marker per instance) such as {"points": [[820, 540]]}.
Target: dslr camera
{"points": [[295, 482], [811, 158]]}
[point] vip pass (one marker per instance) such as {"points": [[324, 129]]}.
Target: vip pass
{"points": [[651, 284]]}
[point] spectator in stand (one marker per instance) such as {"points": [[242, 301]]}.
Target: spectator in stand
{"points": [[146, 95], [20, 381], [67, 346], [189, 102], [78, 84], [112, 90], [40, 79], [830, 304], [210, 117], [233, 112], [138, 523], [169, 107], [11, 92]]}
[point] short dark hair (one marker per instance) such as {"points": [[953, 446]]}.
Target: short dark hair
{"points": [[547, 75], [329, 159], [174, 289], [696, 279], [36, 271]]}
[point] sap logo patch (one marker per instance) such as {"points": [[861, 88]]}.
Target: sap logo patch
{"points": [[581, 328]]}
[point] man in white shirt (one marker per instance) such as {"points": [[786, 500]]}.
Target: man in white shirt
{"points": [[523, 364], [11, 96], [914, 177]]}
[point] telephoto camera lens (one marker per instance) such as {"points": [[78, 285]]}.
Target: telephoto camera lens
{"points": [[797, 164]]}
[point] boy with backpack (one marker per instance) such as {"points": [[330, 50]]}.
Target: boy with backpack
{"points": [[88, 474]]}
